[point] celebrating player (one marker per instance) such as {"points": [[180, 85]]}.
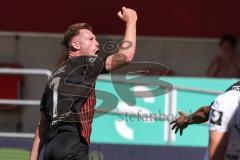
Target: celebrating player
{"points": [[67, 105]]}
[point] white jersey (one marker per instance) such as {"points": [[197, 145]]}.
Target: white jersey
{"points": [[225, 117]]}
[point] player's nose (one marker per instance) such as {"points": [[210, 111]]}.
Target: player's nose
{"points": [[97, 44]]}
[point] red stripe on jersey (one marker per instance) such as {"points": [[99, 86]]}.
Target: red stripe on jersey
{"points": [[86, 116]]}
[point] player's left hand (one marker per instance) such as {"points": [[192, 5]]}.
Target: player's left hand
{"points": [[180, 123]]}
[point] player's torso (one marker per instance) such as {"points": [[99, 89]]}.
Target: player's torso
{"points": [[233, 150], [225, 117], [232, 110], [71, 84]]}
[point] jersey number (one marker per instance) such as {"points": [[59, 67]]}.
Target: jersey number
{"points": [[55, 84]]}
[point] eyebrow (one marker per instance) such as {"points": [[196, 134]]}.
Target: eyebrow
{"points": [[92, 36]]}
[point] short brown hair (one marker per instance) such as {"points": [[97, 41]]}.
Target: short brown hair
{"points": [[231, 39], [74, 30]]}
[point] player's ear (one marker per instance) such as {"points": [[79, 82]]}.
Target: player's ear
{"points": [[75, 45]]}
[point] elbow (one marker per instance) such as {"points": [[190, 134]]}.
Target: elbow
{"points": [[130, 56], [206, 111]]}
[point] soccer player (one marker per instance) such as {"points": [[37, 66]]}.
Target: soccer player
{"points": [[67, 105], [224, 119]]}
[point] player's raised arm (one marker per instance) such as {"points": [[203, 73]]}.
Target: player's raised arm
{"points": [[126, 51], [199, 116]]}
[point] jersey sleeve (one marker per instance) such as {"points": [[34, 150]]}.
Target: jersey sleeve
{"points": [[222, 111]]}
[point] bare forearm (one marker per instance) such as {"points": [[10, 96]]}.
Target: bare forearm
{"points": [[38, 142], [129, 41], [200, 116], [218, 142]]}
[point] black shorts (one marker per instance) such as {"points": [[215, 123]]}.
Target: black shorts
{"points": [[65, 142]]}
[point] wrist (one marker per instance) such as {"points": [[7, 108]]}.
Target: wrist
{"points": [[131, 24], [189, 119]]}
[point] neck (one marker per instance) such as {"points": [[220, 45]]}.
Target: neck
{"points": [[77, 54], [73, 54]]}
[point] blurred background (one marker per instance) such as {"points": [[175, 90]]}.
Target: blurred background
{"points": [[196, 41]]}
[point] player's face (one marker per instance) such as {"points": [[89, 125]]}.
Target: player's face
{"points": [[88, 43], [226, 47]]}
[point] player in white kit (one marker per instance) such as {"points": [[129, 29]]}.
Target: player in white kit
{"points": [[224, 127], [224, 124]]}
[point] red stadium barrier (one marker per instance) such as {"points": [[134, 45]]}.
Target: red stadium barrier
{"points": [[10, 86]]}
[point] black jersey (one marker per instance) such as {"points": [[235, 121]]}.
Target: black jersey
{"points": [[69, 95]]}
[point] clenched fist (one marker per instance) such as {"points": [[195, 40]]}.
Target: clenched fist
{"points": [[128, 15]]}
